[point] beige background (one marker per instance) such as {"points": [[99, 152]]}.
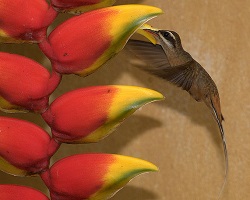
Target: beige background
{"points": [[179, 135]]}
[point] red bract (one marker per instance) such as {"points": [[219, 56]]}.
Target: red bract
{"points": [[25, 20], [83, 43], [15, 192], [24, 84], [25, 148], [90, 114], [92, 176], [79, 6]]}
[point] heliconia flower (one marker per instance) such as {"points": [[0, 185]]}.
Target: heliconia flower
{"points": [[90, 114], [24, 84], [80, 6], [25, 20], [14, 192], [25, 149], [83, 43], [92, 176]]}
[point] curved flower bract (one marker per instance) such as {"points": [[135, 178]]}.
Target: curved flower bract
{"points": [[83, 43], [24, 84], [90, 114], [14, 192], [25, 149], [143, 30], [92, 176], [80, 6], [24, 20]]}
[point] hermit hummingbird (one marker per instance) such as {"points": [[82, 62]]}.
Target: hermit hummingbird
{"points": [[166, 58]]}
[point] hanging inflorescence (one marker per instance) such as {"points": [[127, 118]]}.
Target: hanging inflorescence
{"points": [[80, 45]]}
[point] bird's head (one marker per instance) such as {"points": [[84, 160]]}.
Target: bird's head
{"points": [[168, 39], [170, 42]]}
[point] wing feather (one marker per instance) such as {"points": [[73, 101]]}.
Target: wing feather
{"points": [[158, 64]]}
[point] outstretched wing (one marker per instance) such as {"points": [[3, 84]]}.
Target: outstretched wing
{"points": [[158, 64], [152, 55]]}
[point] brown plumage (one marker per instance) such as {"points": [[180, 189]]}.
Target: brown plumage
{"points": [[168, 60]]}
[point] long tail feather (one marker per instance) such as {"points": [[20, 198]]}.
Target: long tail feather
{"points": [[224, 148], [226, 159]]}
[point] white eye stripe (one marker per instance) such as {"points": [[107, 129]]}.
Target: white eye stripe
{"points": [[169, 42], [171, 34]]}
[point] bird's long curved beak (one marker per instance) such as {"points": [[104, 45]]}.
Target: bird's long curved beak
{"points": [[150, 33]]}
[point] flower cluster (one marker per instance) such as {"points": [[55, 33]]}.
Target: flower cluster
{"points": [[80, 45]]}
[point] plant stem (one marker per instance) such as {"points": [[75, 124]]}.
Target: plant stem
{"points": [[45, 47], [54, 81], [45, 176], [53, 147]]}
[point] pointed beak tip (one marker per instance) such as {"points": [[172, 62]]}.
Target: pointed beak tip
{"points": [[152, 32]]}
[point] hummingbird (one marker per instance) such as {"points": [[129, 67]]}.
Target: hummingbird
{"points": [[166, 58]]}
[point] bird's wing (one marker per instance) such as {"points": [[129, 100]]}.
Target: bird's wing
{"points": [[158, 64], [152, 55]]}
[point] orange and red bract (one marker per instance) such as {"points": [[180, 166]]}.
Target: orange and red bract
{"points": [[76, 114], [85, 180], [83, 43], [14, 192], [90, 114], [92, 176], [77, 52], [24, 84], [25, 148], [25, 20]]}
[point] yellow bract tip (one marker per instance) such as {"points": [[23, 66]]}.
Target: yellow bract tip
{"points": [[131, 98], [120, 173], [130, 18], [127, 100], [143, 31]]}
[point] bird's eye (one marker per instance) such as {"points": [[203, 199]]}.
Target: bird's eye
{"points": [[166, 34]]}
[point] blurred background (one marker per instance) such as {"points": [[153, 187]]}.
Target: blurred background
{"points": [[178, 134]]}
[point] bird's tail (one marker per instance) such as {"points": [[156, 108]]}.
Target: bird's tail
{"points": [[219, 122]]}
